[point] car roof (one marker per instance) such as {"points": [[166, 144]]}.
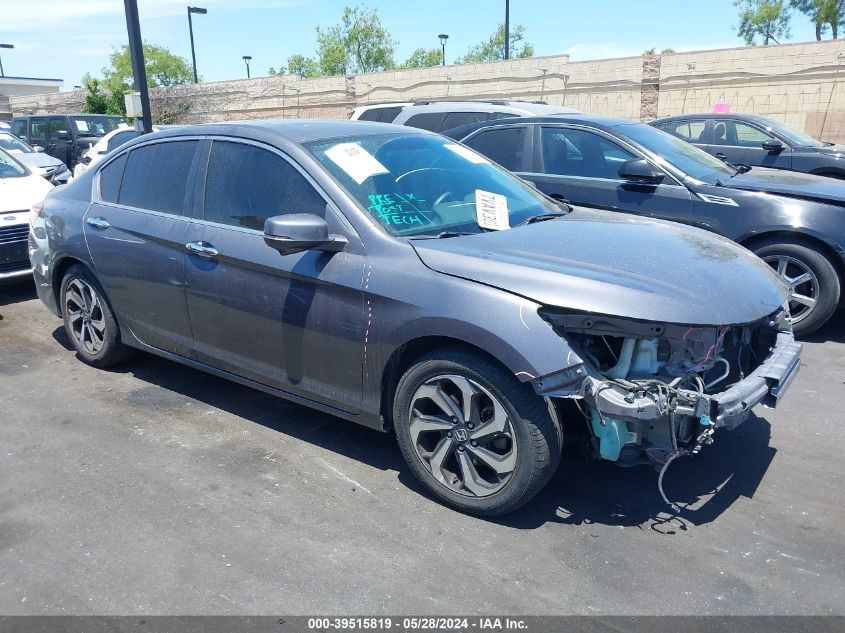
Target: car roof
{"points": [[713, 115], [515, 107], [294, 130], [601, 123]]}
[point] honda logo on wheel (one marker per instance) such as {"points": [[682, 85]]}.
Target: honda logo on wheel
{"points": [[461, 435]]}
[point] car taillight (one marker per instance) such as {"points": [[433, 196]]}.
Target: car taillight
{"points": [[36, 211]]}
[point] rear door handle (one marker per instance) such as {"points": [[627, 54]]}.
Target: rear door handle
{"points": [[203, 249], [97, 223]]}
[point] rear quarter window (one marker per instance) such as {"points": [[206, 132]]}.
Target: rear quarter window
{"points": [[156, 176], [110, 177]]}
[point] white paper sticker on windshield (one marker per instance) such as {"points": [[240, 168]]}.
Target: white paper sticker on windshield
{"points": [[467, 153], [491, 209], [355, 161], [82, 126]]}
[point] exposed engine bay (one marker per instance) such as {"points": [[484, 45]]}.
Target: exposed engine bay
{"points": [[653, 392]]}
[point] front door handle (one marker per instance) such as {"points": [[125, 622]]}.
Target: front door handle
{"points": [[203, 249], [720, 156], [97, 223]]}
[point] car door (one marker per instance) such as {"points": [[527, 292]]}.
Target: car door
{"points": [[740, 142], [582, 165], [135, 229], [59, 139], [293, 322]]}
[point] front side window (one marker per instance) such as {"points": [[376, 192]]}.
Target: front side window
{"points": [[9, 167], [422, 185], [568, 152], [156, 176], [57, 125], [505, 146], [670, 151], [246, 184], [737, 134]]}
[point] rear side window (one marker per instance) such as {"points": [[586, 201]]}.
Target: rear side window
{"points": [[156, 176], [457, 119], [431, 121], [690, 131], [504, 146], [110, 177], [19, 128], [38, 128], [120, 138], [246, 184], [380, 115]]}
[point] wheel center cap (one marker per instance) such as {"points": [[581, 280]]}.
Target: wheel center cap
{"points": [[461, 434]]}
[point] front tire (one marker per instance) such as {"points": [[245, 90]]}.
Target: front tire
{"points": [[473, 435], [89, 321], [813, 281]]}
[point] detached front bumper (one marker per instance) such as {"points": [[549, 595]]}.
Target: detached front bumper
{"points": [[765, 385]]}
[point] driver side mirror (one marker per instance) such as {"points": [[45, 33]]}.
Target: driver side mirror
{"points": [[773, 146], [297, 232], [37, 148], [640, 171]]}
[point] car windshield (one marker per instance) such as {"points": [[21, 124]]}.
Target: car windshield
{"points": [[13, 143], [425, 185], [10, 168], [95, 125], [793, 137], [671, 151]]}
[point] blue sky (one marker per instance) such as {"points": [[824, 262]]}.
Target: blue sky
{"points": [[67, 38]]}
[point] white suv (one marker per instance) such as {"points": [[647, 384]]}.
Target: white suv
{"points": [[437, 116]]}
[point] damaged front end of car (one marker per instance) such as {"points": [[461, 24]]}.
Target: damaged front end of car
{"points": [[653, 392]]}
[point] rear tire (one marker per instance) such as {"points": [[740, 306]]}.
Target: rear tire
{"points": [[473, 435], [815, 284], [89, 321]]}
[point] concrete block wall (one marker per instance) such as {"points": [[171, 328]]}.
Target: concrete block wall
{"points": [[800, 84]]}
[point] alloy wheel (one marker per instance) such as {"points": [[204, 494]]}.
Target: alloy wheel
{"points": [[85, 316], [802, 281], [463, 435]]}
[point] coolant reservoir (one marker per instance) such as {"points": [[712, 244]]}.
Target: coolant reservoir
{"points": [[645, 360]]}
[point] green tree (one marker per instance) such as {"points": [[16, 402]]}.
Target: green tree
{"points": [[358, 44], [422, 58], [764, 19], [823, 13], [653, 51], [305, 67], [163, 69], [98, 102], [493, 48]]}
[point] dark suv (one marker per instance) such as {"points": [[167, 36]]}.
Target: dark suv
{"points": [[750, 139], [65, 136]]}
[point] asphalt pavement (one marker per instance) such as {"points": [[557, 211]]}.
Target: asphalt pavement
{"points": [[154, 488]]}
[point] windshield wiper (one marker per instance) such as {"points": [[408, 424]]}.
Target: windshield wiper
{"points": [[442, 234], [541, 218]]}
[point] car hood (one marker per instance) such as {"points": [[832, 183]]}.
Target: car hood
{"points": [[38, 159], [19, 194], [616, 264], [831, 150], [789, 183]]}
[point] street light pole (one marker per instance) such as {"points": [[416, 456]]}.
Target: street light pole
{"points": [[443, 37], [136, 54], [198, 11], [247, 58], [507, 29], [2, 74]]}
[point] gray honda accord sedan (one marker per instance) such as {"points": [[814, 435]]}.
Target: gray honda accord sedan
{"points": [[397, 279]]}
